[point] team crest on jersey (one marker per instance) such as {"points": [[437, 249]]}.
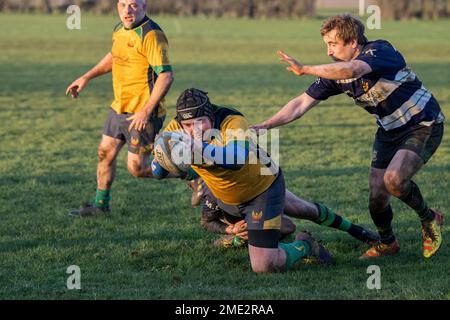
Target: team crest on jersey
{"points": [[365, 86], [146, 149], [134, 142], [257, 216], [131, 44]]}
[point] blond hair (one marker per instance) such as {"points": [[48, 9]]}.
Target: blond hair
{"points": [[347, 28]]}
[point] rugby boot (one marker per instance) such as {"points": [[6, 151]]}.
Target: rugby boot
{"points": [[89, 210], [380, 249], [431, 234]]}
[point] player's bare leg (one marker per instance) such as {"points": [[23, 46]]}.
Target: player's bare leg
{"points": [[382, 215], [396, 181], [283, 258], [266, 260], [299, 208], [108, 150], [139, 165], [402, 168]]}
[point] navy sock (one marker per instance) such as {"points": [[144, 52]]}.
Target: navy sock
{"points": [[383, 222], [413, 198]]}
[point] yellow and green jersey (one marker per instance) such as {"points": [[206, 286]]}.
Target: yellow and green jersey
{"points": [[139, 56], [232, 187]]}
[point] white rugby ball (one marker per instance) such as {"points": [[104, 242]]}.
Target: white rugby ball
{"points": [[172, 151]]}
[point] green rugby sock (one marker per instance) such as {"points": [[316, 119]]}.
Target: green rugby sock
{"points": [[294, 252], [102, 198], [330, 219]]}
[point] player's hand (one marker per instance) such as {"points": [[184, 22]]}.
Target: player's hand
{"points": [[229, 229], [243, 235], [294, 66], [239, 227], [138, 121], [259, 127], [76, 87]]}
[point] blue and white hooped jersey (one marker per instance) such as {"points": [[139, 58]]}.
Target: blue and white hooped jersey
{"points": [[392, 91]]}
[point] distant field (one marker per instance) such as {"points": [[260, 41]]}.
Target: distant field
{"points": [[152, 246]]}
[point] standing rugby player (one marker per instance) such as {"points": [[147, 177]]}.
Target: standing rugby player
{"points": [[410, 122], [142, 76]]}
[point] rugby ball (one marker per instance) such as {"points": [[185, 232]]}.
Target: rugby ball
{"points": [[172, 151]]}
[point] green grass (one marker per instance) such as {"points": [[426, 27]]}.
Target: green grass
{"points": [[152, 246]]}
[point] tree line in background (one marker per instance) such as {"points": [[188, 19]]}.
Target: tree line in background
{"points": [[216, 8], [398, 9], [409, 9]]}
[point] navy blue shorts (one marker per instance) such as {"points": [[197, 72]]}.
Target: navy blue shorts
{"points": [[262, 214], [420, 139]]}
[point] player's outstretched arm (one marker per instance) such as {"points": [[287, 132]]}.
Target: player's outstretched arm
{"points": [[103, 67], [333, 71], [292, 111]]}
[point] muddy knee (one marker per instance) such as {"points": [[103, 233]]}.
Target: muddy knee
{"points": [[263, 267], [395, 183], [102, 154]]}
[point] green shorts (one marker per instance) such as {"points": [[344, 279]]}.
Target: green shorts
{"points": [[116, 126], [420, 139]]}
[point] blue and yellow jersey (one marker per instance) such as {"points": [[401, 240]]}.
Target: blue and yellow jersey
{"points": [[232, 187], [139, 56]]}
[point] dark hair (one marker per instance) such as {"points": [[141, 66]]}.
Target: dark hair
{"points": [[348, 28], [194, 103]]}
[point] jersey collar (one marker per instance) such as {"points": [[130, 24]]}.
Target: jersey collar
{"points": [[143, 21]]}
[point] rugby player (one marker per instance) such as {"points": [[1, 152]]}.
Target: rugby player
{"points": [[142, 76], [375, 75], [239, 185]]}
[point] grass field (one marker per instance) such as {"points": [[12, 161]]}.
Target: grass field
{"points": [[152, 246]]}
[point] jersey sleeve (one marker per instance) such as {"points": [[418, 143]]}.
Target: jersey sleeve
{"points": [[156, 49], [382, 57], [322, 89]]}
